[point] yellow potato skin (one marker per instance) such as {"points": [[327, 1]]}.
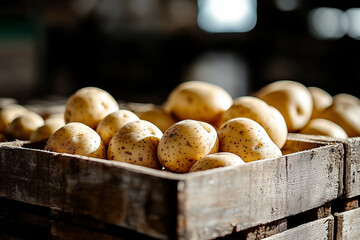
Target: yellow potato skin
{"points": [[347, 99], [157, 116], [198, 101], [186, 142], [324, 127], [136, 143], [216, 160], [23, 126], [77, 138], [321, 100], [247, 139], [292, 99], [89, 105], [346, 116], [45, 131], [109, 125], [8, 114], [258, 110]]}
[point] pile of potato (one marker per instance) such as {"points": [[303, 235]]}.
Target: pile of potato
{"points": [[199, 127]]}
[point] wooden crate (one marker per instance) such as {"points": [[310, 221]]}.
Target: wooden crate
{"points": [[319, 229], [347, 224], [23, 221], [351, 164], [347, 218], [165, 205]]}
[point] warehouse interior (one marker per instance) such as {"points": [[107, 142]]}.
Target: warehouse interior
{"points": [[139, 50]]}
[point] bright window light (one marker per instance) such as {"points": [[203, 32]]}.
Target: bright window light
{"points": [[353, 14], [227, 15], [328, 23]]}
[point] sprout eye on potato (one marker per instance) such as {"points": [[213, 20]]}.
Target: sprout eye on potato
{"points": [[89, 105], [247, 139], [184, 143], [77, 138], [136, 143]]}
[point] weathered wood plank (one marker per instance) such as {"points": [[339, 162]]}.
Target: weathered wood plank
{"points": [[351, 164], [348, 225], [214, 203], [133, 197], [165, 205], [317, 230]]}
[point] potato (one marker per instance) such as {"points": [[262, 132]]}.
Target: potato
{"points": [[348, 99], [109, 125], [136, 143], [77, 138], [267, 116], [321, 100], [45, 131], [157, 116], [247, 139], [23, 126], [57, 116], [198, 101], [89, 105], [216, 160], [346, 116], [184, 143], [324, 127], [8, 114], [292, 99]]}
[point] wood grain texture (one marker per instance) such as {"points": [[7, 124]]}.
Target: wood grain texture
{"points": [[164, 205], [317, 230], [216, 202], [109, 191], [351, 163], [348, 225]]}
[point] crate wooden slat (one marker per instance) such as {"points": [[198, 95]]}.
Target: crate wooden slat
{"points": [[166, 205], [347, 224], [317, 230], [352, 161]]}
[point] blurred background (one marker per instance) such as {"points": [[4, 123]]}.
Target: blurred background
{"points": [[139, 50]]}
